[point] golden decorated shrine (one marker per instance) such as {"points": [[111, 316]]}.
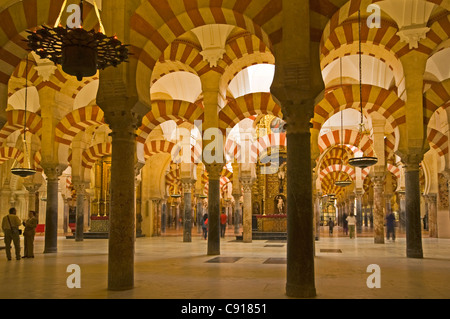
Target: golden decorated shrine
{"points": [[100, 205], [269, 195]]}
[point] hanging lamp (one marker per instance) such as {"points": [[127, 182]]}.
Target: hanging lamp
{"points": [[26, 170], [342, 182], [362, 161], [79, 52]]}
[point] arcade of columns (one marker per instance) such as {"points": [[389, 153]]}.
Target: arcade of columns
{"points": [[71, 130]]}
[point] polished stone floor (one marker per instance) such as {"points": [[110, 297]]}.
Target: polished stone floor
{"points": [[167, 268]]}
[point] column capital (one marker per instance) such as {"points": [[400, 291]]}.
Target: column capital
{"points": [[431, 197], [412, 160], [298, 115], [187, 185], [214, 170], [247, 184], [53, 171], [32, 187], [80, 187]]}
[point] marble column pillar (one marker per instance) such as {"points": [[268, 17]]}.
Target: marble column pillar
{"points": [[359, 217], [300, 211], [122, 218], [387, 203], [247, 211], [378, 211], [187, 227], [432, 215], [352, 205], [413, 222], [214, 172], [53, 172], [237, 214], [402, 212], [163, 215], [199, 214], [80, 191], [317, 198]]}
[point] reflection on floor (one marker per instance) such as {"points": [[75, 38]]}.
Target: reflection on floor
{"points": [[167, 268]]}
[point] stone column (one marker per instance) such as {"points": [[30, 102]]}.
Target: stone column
{"points": [[402, 212], [187, 229], [123, 121], [378, 212], [413, 223], [214, 173], [432, 215], [236, 192], [53, 172], [80, 189], [351, 201], [163, 215], [199, 214], [247, 212], [359, 217], [300, 281], [237, 214], [317, 198]]}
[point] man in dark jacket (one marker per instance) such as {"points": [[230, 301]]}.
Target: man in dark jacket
{"points": [[390, 225]]}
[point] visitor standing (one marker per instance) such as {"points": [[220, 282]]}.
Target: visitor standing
{"points": [[351, 220], [390, 225], [29, 233], [10, 226], [345, 224], [205, 226], [330, 226], [223, 224]]}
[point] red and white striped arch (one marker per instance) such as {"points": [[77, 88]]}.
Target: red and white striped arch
{"points": [[157, 23], [375, 99], [95, 152], [438, 141], [438, 95], [163, 111], [351, 137], [7, 153], [77, 121], [245, 106], [15, 120]]}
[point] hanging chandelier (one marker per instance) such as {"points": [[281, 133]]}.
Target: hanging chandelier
{"points": [[79, 52], [362, 161], [342, 182], [26, 170]]}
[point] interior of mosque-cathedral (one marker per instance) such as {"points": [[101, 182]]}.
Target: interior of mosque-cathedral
{"points": [[279, 79]]}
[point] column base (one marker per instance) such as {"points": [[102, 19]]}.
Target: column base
{"points": [[295, 291], [121, 288], [213, 253], [418, 254], [50, 250]]}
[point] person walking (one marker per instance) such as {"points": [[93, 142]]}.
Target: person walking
{"points": [[28, 234], [223, 224], [330, 226], [10, 227], [345, 224], [205, 226], [351, 221], [390, 225]]}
